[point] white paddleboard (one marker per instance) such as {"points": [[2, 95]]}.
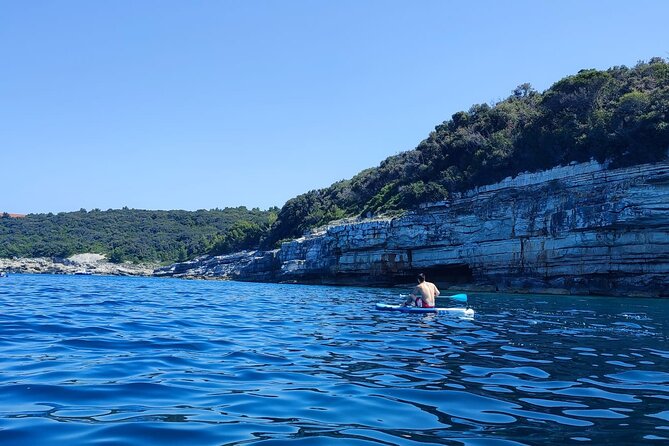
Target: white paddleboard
{"points": [[403, 309]]}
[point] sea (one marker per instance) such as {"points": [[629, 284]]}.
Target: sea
{"points": [[90, 360]]}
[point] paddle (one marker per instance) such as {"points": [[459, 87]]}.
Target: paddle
{"points": [[459, 297]]}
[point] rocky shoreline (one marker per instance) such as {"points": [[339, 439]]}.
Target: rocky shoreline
{"points": [[83, 264], [577, 229]]}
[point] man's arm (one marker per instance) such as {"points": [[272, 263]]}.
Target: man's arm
{"points": [[412, 297], [421, 292]]}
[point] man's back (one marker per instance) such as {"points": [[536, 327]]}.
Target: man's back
{"points": [[428, 292]]}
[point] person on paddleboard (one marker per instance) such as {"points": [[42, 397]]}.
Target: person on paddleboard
{"points": [[424, 294]]}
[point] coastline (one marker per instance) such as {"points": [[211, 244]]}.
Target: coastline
{"points": [[81, 264], [59, 266], [581, 229], [147, 270]]}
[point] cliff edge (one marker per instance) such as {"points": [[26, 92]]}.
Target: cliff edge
{"points": [[577, 229]]}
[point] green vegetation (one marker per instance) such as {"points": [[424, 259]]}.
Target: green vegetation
{"points": [[133, 235], [243, 235], [619, 115]]}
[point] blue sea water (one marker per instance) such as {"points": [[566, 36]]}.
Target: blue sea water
{"points": [[112, 361]]}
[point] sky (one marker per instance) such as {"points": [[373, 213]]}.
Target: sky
{"points": [[161, 104]]}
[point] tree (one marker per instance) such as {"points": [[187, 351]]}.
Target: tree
{"points": [[241, 236], [523, 90]]}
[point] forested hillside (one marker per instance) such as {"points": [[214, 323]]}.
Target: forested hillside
{"points": [[620, 115], [134, 235]]}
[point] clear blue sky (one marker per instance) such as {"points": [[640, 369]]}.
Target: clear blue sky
{"points": [[157, 104]]}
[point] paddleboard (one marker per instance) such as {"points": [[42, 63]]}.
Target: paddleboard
{"points": [[403, 309]]}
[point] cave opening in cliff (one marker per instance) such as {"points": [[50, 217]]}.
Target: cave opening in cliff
{"points": [[449, 274]]}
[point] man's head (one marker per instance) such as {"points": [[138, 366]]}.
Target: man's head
{"points": [[421, 278]]}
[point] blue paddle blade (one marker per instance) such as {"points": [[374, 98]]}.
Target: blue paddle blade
{"points": [[458, 297]]}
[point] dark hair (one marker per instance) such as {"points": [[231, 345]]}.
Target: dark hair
{"points": [[421, 278]]}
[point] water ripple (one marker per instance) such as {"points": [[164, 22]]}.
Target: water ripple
{"points": [[103, 360]]}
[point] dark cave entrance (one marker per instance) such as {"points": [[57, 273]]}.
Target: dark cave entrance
{"points": [[458, 274]]}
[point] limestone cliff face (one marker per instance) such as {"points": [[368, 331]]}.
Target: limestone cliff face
{"points": [[575, 229]]}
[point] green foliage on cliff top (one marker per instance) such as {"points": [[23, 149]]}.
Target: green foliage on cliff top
{"points": [[131, 234], [620, 115]]}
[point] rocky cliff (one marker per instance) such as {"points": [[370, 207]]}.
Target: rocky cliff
{"points": [[582, 228]]}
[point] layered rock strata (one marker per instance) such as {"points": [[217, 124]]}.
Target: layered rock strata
{"points": [[576, 229]]}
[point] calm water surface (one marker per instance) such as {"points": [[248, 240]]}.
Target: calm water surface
{"points": [[112, 361]]}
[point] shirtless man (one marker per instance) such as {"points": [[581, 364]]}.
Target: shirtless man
{"points": [[423, 295]]}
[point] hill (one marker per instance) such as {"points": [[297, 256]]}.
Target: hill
{"points": [[133, 234], [620, 115]]}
